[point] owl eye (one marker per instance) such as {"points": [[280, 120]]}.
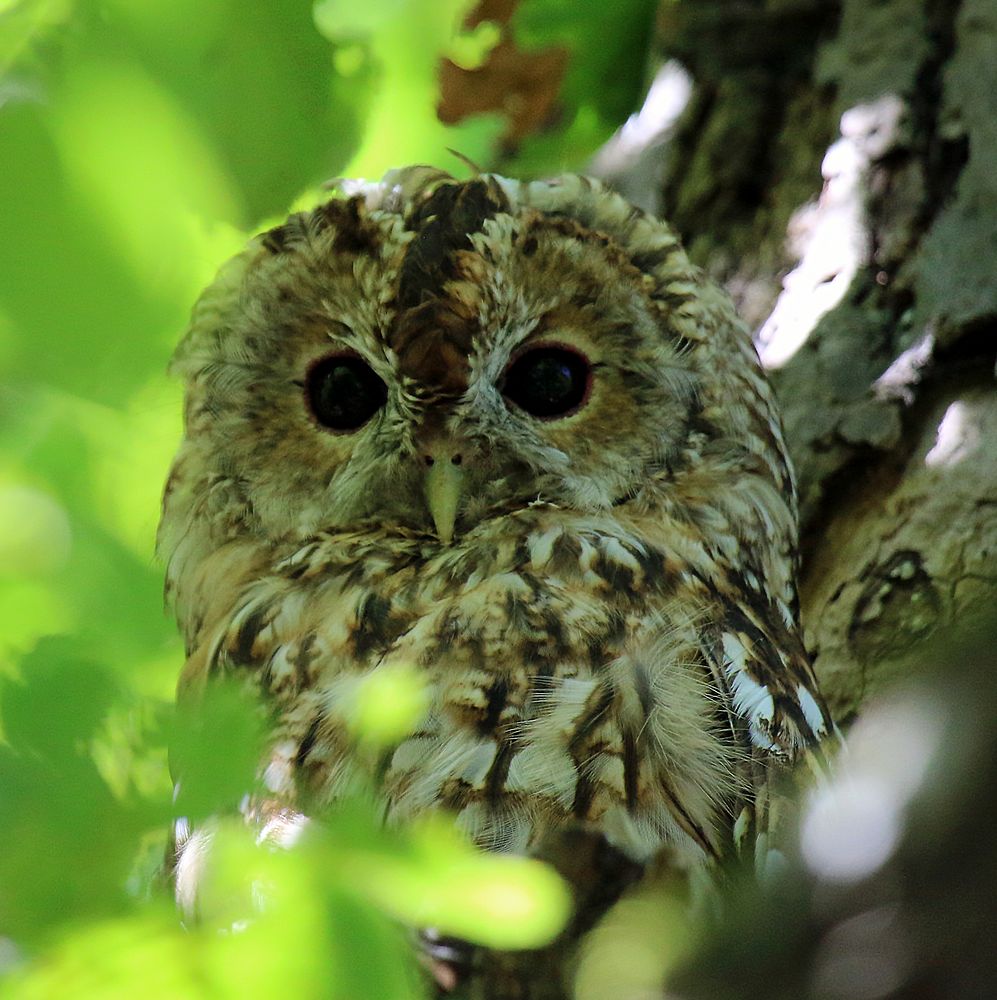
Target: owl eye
{"points": [[344, 393], [548, 381]]}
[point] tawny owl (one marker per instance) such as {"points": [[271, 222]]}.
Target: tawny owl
{"points": [[504, 432]]}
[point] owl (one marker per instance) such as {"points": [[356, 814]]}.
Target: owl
{"points": [[505, 434]]}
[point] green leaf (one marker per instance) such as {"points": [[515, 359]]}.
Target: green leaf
{"points": [[216, 747], [68, 841], [442, 881], [404, 40], [608, 46], [24, 24], [259, 80], [387, 704]]}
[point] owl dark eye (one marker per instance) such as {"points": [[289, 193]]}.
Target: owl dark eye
{"points": [[344, 393], [548, 381]]}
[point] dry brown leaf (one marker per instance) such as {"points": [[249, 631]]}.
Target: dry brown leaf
{"points": [[522, 86]]}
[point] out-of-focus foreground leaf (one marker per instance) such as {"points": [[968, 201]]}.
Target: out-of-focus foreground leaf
{"points": [[69, 841]]}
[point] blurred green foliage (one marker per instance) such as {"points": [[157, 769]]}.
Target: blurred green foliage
{"points": [[140, 142]]}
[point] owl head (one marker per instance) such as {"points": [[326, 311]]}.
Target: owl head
{"points": [[425, 354]]}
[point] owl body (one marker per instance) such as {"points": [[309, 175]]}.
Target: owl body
{"points": [[504, 434]]}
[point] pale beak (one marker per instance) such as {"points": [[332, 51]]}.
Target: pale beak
{"points": [[443, 487]]}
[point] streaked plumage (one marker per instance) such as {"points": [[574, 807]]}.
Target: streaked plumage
{"points": [[603, 603]]}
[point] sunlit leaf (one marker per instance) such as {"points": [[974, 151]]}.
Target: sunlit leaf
{"points": [[387, 704], [107, 584], [141, 164], [84, 318], [31, 609], [131, 458], [642, 939], [277, 922], [25, 23], [265, 910], [468, 50], [147, 956], [34, 531], [402, 126], [217, 744], [498, 900], [259, 80], [602, 39]]}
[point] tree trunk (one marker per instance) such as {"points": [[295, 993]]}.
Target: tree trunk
{"points": [[835, 169]]}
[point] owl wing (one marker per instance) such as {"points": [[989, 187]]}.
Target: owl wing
{"points": [[770, 681], [758, 659]]}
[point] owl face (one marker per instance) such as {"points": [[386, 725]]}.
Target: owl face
{"points": [[434, 361]]}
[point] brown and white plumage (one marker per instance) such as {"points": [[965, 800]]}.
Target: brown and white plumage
{"points": [[602, 602]]}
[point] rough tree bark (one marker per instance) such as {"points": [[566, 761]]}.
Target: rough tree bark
{"points": [[834, 168]]}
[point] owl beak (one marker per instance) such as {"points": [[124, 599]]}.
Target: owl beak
{"points": [[443, 486]]}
